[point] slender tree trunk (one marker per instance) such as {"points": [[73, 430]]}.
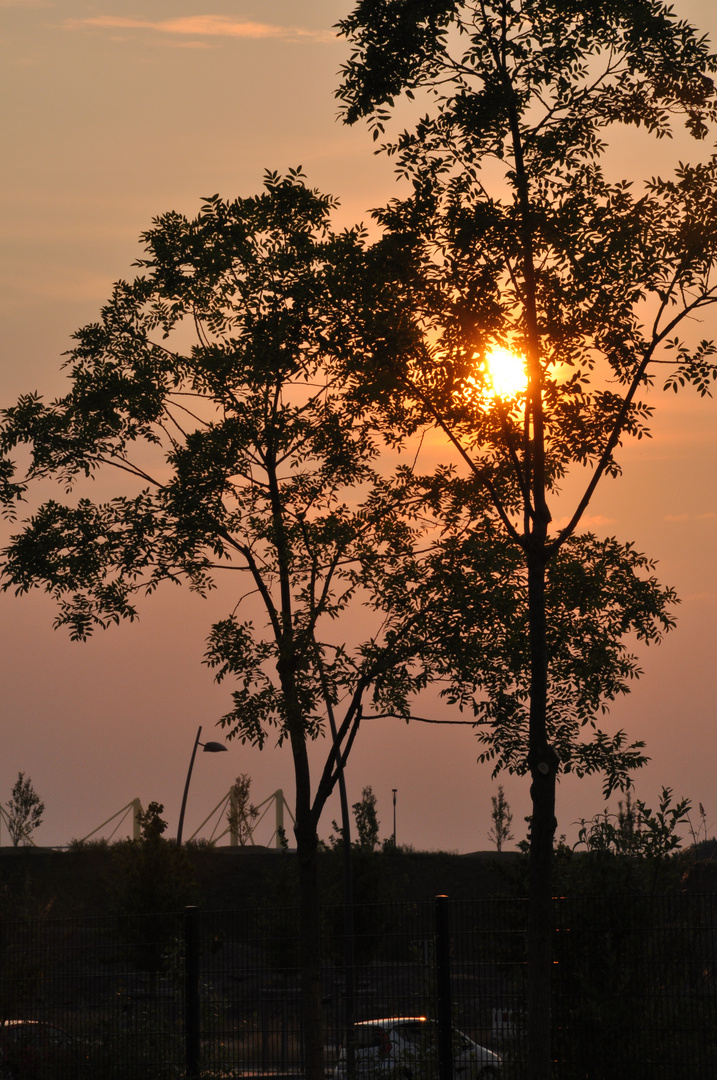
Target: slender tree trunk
{"points": [[310, 950], [307, 843], [543, 767], [541, 757], [305, 828]]}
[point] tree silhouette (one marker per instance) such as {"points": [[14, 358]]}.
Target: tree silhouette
{"points": [[24, 810], [242, 813], [502, 819], [366, 821], [215, 381], [514, 235]]}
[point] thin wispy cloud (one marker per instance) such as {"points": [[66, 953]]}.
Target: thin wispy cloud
{"points": [[203, 26], [587, 522], [676, 518]]}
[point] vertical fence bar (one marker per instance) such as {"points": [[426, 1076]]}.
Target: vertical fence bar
{"points": [[443, 989], [191, 992]]}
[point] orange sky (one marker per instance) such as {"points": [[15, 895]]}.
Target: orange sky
{"points": [[112, 115]]}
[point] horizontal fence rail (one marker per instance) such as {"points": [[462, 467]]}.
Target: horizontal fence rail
{"points": [[216, 993]]}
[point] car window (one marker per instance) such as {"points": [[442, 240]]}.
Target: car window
{"points": [[415, 1032], [367, 1038]]}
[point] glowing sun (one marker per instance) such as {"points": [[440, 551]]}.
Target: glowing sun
{"points": [[505, 372]]}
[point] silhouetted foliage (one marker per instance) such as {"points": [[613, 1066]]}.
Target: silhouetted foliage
{"points": [[512, 235], [502, 818], [367, 823], [24, 810], [152, 877], [242, 813], [215, 381]]}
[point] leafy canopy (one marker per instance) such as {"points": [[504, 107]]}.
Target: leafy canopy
{"points": [[518, 236], [470, 595], [214, 382], [514, 232]]}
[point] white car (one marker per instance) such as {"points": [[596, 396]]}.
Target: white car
{"points": [[406, 1047]]}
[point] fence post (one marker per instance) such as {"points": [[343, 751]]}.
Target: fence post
{"points": [[443, 989], [191, 992]]}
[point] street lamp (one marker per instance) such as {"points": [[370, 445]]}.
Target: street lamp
{"points": [[394, 790], [209, 748]]}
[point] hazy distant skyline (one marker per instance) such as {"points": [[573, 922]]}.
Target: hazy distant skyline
{"points": [[114, 113]]}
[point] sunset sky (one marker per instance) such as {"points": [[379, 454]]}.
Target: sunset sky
{"points": [[114, 112]]}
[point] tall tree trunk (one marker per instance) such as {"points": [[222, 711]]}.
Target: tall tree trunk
{"points": [[288, 663], [543, 768], [307, 843], [310, 950], [542, 759]]}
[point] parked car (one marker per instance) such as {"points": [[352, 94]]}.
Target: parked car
{"points": [[406, 1047], [34, 1050]]}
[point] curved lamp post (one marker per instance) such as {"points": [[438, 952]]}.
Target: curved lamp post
{"points": [[209, 748]]}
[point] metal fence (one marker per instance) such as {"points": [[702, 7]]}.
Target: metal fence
{"points": [[138, 997]]}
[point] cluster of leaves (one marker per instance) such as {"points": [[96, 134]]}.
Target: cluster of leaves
{"points": [[366, 818], [469, 594], [367, 825], [242, 813], [636, 830]]}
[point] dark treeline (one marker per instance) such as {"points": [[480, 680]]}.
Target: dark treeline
{"points": [[89, 881]]}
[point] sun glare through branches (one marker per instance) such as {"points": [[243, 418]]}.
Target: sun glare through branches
{"points": [[501, 374], [505, 373]]}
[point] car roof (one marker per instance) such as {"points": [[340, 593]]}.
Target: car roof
{"points": [[29, 1023], [392, 1021]]}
